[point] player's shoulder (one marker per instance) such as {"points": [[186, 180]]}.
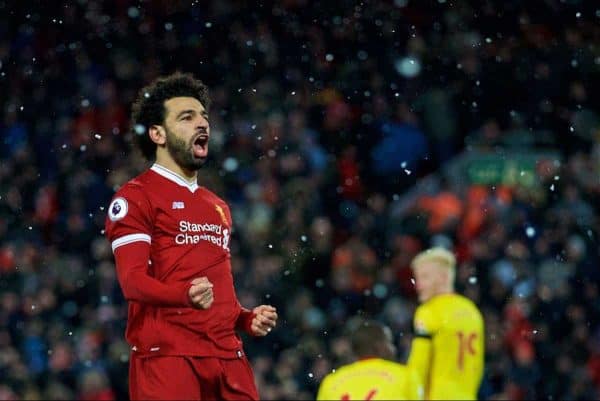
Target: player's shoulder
{"points": [[330, 379], [137, 186], [394, 367], [457, 305], [447, 301], [133, 192], [348, 369], [426, 309], [465, 302], [402, 372], [211, 196], [396, 371]]}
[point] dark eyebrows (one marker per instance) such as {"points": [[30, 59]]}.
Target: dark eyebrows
{"points": [[181, 113], [203, 113]]}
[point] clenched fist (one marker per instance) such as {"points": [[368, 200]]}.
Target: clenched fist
{"points": [[201, 293], [264, 320]]}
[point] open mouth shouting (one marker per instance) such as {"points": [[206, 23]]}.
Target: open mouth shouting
{"points": [[200, 146]]}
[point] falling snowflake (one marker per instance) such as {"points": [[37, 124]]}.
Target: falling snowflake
{"points": [[530, 231]]}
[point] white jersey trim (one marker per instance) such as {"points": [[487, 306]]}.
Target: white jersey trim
{"points": [[128, 239], [176, 178]]}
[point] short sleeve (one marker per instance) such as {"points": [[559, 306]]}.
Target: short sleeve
{"points": [[129, 217], [424, 324]]}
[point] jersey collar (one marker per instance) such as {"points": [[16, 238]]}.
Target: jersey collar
{"points": [[172, 176]]}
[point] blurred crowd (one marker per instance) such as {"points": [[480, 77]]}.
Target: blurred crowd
{"points": [[324, 115]]}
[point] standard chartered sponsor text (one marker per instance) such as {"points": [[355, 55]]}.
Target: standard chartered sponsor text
{"points": [[193, 233], [186, 226]]}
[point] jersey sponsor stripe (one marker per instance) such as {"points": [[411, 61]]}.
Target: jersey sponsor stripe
{"points": [[128, 239]]}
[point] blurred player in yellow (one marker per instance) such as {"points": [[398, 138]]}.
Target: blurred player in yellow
{"points": [[447, 350], [374, 376]]}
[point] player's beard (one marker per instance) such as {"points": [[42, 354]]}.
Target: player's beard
{"points": [[182, 153]]}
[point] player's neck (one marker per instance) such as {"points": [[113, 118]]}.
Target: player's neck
{"points": [[444, 291], [188, 175], [368, 357]]}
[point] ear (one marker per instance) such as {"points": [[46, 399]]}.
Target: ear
{"points": [[445, 274], [157, 134]]}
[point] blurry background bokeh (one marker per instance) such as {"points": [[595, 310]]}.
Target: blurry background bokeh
{"points": [[346, 136]]}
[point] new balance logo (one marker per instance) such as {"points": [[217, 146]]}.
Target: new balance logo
{"points": [[178, 205]]}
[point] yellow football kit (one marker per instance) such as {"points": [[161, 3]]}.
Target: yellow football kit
{"points": [[371, 379], [448, 348]]}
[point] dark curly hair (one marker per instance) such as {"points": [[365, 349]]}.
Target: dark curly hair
{"points": [[149, 108]]}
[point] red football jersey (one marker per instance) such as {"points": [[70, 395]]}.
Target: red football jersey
{"points": [[164, 232]]}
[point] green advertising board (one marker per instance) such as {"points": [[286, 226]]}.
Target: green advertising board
{"points": [[505, 169]]}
